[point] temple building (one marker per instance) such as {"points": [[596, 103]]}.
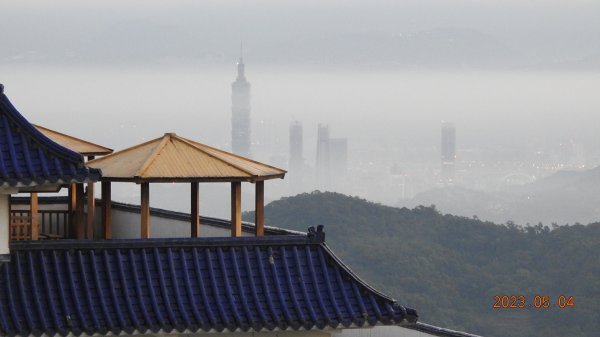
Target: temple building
{"points": [[81, 266]]}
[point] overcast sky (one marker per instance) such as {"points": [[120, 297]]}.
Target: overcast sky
{"points": [[425, 33], [521, 75]]}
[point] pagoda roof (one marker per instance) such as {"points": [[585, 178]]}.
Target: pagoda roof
{"points": [[249, 284], [173, 158], [75, 144], [29, 159]]}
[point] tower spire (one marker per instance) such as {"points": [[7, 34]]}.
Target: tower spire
{"points": [[240, 111], [240, 64]]}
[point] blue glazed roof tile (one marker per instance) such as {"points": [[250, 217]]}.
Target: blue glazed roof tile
{"points": [[29, 158], [176, 285]]}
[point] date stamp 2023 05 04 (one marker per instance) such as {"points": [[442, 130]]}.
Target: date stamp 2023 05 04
{"points": [[533, 302]]}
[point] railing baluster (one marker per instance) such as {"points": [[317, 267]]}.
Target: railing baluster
{"points": [[53, 224], [54, 229], [43, 223]]}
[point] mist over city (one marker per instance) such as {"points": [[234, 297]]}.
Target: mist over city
{"points": [[302, 168], [514, 82]]}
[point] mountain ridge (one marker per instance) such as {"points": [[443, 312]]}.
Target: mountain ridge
{"points": [[450, 268]]}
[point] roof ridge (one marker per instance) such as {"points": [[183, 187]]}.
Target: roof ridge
{"points": [[238, 156], [122, 151], [72, 244], [165, 139], [192, 144], [71, 137]]}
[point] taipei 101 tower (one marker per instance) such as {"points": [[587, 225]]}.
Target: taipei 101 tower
{"points": [[240, 112]]}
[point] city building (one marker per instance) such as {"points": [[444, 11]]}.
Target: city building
{"points": [[322, 163], [240, 113], [332, 159], [338, 156], [448, 152], [296, 157]]}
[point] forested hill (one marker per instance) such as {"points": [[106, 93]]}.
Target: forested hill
{"points": [[450, 268]]}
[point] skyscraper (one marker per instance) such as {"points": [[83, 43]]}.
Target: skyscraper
{"points": [[323, 168], [332, 159], [240, 113], [338, 162], [448, 151], [338, 156], [296, 147], [296, 159]]}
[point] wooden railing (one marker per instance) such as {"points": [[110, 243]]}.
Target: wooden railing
{"points": [[20, 225], [54, 224]]}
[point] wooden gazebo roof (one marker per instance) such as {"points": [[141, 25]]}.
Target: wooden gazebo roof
{"points": [[172, 158], [78, 145]]}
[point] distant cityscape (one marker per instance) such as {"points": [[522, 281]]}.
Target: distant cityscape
{"points": [[392, 174]]}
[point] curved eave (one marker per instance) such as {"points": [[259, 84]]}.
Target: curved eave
{"points": [[29, 158], [27, 127], [354, 275], [92, 175]]}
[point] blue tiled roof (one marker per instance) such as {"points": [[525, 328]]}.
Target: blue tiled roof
{"points": [[185, 285], [29, 158]]}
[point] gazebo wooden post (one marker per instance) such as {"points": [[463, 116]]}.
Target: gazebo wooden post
{"points": [[33, 208], [91, 207], [79, 216], [195, 210], [145, 210], [106, 210], [71, 202], [236, 208], [259, 209]]}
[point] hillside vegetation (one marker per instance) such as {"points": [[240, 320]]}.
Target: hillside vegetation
{"points": [[450, 268]]}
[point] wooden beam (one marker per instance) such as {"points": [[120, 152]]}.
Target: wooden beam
{"points": [[145, 210], [33, 207], [259, 209], [91, 211], [91, 208], [79, 212], [195, 210], [236, 208], [106, 210]]}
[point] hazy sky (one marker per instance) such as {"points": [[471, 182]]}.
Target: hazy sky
{"points": [[510, 74], [425, 33], [407, 65]]}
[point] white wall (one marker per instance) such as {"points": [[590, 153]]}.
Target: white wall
{"points": [[4, 223], [312, 333], [126, 225], [381, 331]]}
